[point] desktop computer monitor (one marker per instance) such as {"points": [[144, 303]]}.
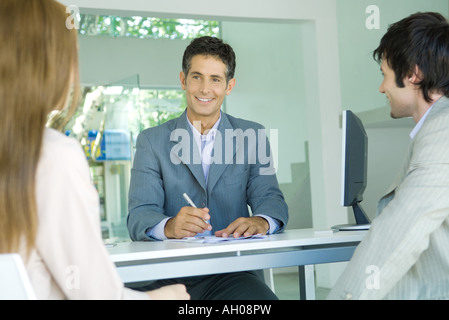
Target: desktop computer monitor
{"points": [[354, 169]]}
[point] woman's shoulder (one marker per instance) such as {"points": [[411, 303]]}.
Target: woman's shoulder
{"points": [[59, 150], [59, 145]]}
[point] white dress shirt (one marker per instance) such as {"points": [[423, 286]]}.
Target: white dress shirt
{"points": [[419, 124]]}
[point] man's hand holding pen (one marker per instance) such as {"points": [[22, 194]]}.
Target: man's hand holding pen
{"points": [[188, 223], [192, 220]]}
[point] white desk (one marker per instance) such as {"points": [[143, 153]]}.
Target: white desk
{"points": [[143, 261]]}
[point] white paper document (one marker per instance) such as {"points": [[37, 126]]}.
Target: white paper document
{"points": [[214, 239]]}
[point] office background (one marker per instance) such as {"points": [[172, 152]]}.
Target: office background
{"points": [[299, 64]]}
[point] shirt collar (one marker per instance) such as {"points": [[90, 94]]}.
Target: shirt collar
{"points": [[210, 135], [419, 124]]}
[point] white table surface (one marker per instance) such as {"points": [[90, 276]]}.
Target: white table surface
{"points": [[146, 250], [152, 260]]}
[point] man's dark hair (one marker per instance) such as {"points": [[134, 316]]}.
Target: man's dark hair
{"points": [[422, 40], [210, 46]]}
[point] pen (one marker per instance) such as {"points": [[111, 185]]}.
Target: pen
{"points": [[189, 201]]}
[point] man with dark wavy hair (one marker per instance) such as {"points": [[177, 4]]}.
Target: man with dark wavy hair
{"points": [[405, 255]]}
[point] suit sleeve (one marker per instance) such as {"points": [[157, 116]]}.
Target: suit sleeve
{"points": [[399, 235], [145, 211]]}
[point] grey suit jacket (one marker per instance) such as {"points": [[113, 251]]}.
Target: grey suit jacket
{"points": [[405, 255], [167, 164]]}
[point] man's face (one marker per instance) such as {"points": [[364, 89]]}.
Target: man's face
{"points": [[205, 87], [402, 100]]}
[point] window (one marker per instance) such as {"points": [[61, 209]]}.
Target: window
{"points": [[159, 106], [146, 27]]}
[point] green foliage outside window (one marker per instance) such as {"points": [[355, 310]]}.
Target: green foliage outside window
{"points": [[146, 27]]}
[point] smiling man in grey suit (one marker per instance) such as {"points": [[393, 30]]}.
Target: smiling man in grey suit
{"points": [[405, 255], [220, 161]]}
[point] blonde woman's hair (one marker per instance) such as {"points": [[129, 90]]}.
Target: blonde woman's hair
{"points": [[38, 67]]}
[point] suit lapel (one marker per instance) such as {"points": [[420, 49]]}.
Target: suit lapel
{"points": [[194, 158], [389, 195], [443, 102], [401, 174], [438, 106]]}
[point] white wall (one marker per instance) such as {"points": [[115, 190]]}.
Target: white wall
{"points": [[105, 60], [361, 77], [270, 84]]}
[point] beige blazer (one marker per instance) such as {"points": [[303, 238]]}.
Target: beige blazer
{"points": [[70, 260], [405, 255]]}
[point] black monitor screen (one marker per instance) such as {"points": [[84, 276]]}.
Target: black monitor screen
{"points": [[354, 165]]}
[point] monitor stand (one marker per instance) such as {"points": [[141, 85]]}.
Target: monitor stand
{"points": [[362, 220]]}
